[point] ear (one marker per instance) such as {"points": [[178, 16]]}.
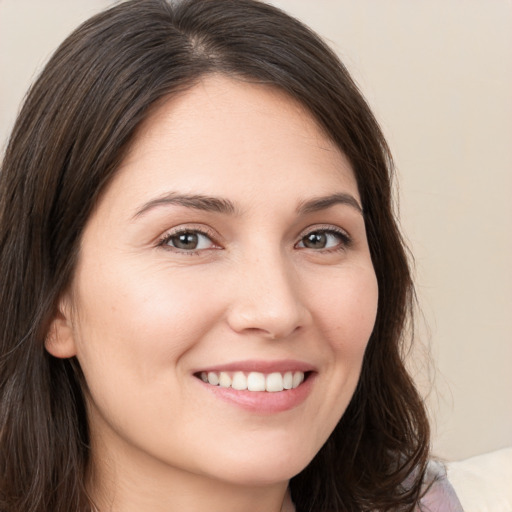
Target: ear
{"points": [[60, 340]]}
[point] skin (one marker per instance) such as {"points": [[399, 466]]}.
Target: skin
{"points": [[142, 316]]}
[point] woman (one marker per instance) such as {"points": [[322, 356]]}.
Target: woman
{"points": [[204, 290]]}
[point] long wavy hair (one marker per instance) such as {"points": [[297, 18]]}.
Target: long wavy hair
{"points": [[74, 129]]}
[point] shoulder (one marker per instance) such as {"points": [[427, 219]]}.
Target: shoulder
{"points": [[440, 495]]}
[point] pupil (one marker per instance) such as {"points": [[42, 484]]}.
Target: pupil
{"points": [[186, 241], [315, 240]]}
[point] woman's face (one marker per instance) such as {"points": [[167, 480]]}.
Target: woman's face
{"points": [[230, 246]]}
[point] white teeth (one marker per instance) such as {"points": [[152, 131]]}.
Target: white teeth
{"points": [[298, 378], [239, 381], [288, 380], [224, 380], [274, 382], [255, 381], [213, 378]]}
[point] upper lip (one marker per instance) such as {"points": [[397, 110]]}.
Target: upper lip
{"points": [[262, 366]]}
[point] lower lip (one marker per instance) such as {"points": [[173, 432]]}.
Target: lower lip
{"points": [[263, 402]]}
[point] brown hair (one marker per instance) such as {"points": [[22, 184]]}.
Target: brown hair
{"points": [[75, 126]]}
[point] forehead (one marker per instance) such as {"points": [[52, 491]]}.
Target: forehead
{"points": [[229, 137]]}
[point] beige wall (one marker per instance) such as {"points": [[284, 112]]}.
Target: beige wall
{"points": [[438, 75]]}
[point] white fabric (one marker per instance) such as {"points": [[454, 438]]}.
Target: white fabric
{"points": [[484, 483]]}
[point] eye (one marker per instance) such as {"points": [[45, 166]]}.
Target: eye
{"points": [[322, 239], [188, 240]]}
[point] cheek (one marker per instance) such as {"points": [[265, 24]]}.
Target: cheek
{"points": [[134, 331], [348, 310], [134, 322], [345, 314]]}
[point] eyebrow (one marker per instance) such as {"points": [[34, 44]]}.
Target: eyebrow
{"points": [[325, 202], [224, 206], [195, 201]]}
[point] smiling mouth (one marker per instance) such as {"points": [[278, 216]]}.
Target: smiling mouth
{"points": [[255, 381]]}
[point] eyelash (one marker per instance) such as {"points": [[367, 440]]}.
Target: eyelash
{"points": [[164, 241], [342, 235], [345, 240]]}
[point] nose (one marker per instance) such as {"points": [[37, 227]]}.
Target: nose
{"points": [[267, 299]]}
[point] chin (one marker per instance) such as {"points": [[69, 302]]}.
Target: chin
{"points": [[265, 467]]}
